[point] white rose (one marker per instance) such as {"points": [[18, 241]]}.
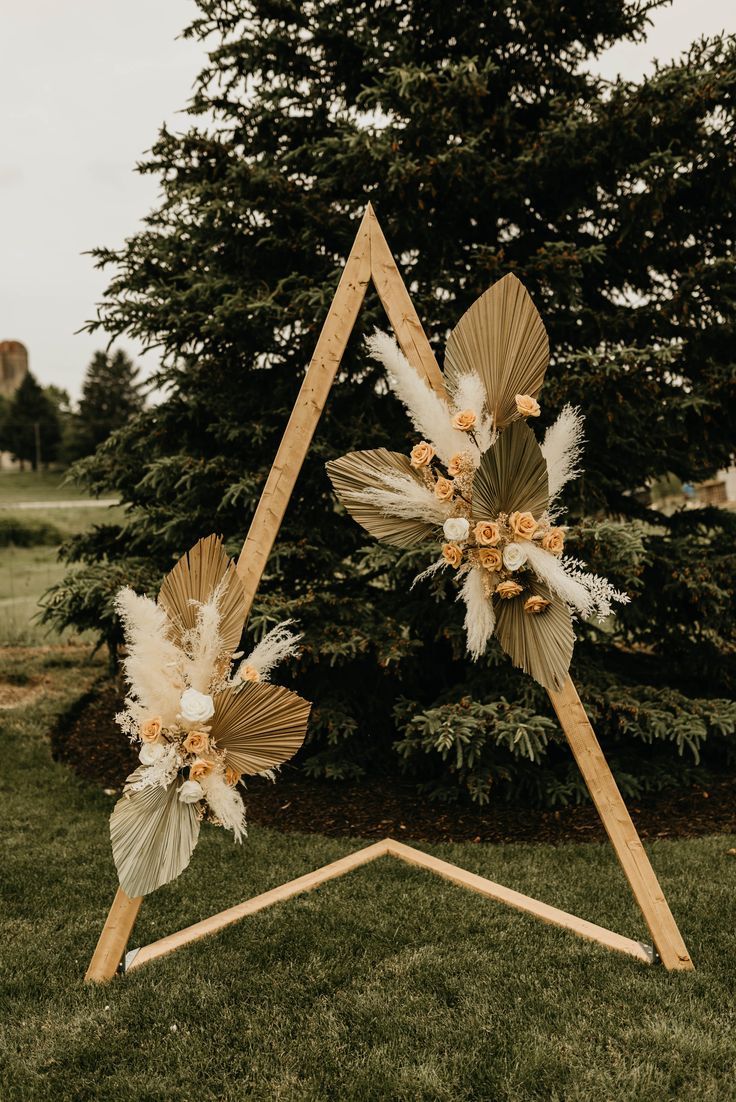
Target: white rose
{"points": [[196, 707], [514, 556], [191, 792], [456, 529], [151, 752]]}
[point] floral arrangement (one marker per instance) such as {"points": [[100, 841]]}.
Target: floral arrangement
{"points": [[482, 489], [202, 714]]}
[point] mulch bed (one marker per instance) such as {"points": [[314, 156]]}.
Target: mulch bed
{"points": [[88, 740]]}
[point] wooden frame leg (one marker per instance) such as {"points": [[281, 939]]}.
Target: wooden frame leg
{"points": [[114, 938], [620, 829]]}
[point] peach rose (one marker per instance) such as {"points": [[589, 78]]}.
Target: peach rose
{"points": [[523, 525], [464, 420], [509, 589], [444, 489], [249, 673], [200, 768], [486, 533], [456, 464], [422, 454], [231, 775], [151, 729], [196, 742], [490, 558], [452, 554], [527, 406], [535, 604], [554, 540]]}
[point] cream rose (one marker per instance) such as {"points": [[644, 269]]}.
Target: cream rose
{"points": [[486, 533], [526, 405], [523, 525], [200, 768], [421, 454], [248, 673], [444, 489], [535, 604], [514, 556], [196, 742], [490, 558], [196, 707], [464, 420], [554, 541], [452, 554], [191, 792], [232, 776], [456, 528], [151, 729], [150, 752], [509, 589]]}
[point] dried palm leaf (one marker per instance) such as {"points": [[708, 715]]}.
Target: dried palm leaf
{"points": [[539, 643], [503, 339], [512, 476], [259, 726], [153, 836], [357, 473], [193, 581]]}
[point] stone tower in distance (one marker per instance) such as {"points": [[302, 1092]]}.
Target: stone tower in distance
{"points": [[13, 366]]}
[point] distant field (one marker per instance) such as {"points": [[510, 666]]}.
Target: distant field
{"points": [[27, 572]]}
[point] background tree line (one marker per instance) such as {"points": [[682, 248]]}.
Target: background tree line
{"points": [[39, 425], [486, 146]]}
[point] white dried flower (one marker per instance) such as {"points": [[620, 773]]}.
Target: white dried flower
{"points": [[191, 792], [456, 529], [196, 707], [514, 556], [151, 752]]}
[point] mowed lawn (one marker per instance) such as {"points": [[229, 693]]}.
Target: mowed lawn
{"points": [[388, 984]]}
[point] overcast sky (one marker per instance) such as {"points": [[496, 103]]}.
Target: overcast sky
{"points": [[84, 87]]}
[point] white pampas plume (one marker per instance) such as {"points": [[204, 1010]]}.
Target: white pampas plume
{"points": [[590, 594], [225, 803], [470, 393], [403, 496], [429, 413], [204, 645], [562, 448], [438, 564], [280, 643], [153, 663], [480, 618]]}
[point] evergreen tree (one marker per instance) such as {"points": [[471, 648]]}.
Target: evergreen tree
{"points": [[30, 429], [486, 146], [111, 394]]}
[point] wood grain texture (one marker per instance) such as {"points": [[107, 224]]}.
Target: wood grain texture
{"points": [[114, 938], [619, 827]]}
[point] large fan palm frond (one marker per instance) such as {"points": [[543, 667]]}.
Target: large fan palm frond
{"points": [[153, 836], [193, 581], [503, 339], [541, 643], [362, 480], [512, 476], [259, 726]]}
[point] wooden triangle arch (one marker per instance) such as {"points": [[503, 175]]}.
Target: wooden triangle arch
{"points": [[371, 259]]}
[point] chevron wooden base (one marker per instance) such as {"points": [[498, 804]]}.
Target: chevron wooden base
{"points": [[370, 259]]}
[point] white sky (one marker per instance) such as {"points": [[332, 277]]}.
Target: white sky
{"points": [[84, 87]]}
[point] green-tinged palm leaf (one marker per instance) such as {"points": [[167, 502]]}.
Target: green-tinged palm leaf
{"points": [[501, 338], [153, 836], [259, 726], [193, 580], [512, 476], [359, 474], [539, 643]]}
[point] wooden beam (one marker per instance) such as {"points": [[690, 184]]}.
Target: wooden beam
{"points": [[306, 883], [621, 830], [114, 938]]}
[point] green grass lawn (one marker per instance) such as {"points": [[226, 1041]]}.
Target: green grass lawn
{"points": [[36, 486], [388, 984]]}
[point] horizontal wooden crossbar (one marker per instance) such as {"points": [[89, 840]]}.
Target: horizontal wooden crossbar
{"points": [[390, 848]]}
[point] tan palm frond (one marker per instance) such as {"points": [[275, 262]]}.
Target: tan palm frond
{"points": [[259, 726], [539, 643], [503, 339], [193, 580], [153, 836], [512, 476], [357, 472]]}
